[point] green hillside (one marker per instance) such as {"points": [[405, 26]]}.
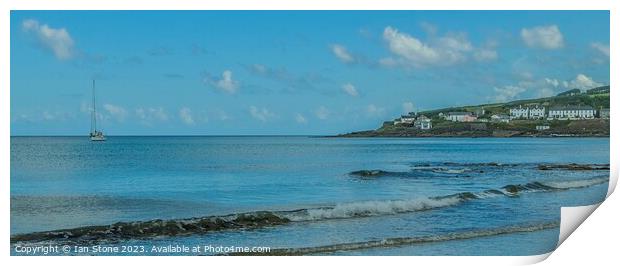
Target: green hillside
{"points": [[597, 98]]}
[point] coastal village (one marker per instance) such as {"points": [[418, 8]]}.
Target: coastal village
{"points": [[571, 113]]}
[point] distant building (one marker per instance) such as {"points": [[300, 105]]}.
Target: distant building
{"points": [[407, 119], [479, 111], [604, 113], [521, 112], [461, 117], [423, 123], [537, 112], [500, 118], [571, 112], [570, 92], [542, 127]]}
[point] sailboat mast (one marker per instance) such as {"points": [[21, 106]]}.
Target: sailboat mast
{"points": [[94, 125]]}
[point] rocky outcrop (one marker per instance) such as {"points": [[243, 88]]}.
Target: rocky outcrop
{"points": [[573, 167]]}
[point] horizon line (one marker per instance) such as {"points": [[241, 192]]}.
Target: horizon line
{"points": [[232, 135]]}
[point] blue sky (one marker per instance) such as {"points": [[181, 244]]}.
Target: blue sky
{"points": [[287, 72]]}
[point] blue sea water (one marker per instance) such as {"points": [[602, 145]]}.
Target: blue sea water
{"points": [[69, 182]]}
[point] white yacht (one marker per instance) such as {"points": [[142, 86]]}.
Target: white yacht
{"points": [[95, 135]]}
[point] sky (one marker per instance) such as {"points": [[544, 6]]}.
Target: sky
{"points": [[287, 72]]}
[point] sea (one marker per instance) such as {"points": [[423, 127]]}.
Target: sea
{"points": [[299, 195]]}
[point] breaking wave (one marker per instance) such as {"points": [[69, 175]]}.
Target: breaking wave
{"points": [[372, 208], [451, 171], [260, 219], [579, 183]]}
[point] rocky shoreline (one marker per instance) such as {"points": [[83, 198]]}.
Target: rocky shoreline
{"points": [[462, 134], [578, 128]]}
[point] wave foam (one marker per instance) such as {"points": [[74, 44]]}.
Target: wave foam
{"points": [[372, 208], [578, 183]]}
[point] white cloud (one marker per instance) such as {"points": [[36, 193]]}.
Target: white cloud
{"points": [[58, 41], [148, 115], [374, 111], [226, 83], [350, 89], [408, 107], [546, 37], [409, 50], [342, 53], [117, 112], [485, 55], [581, 82], [300, 119], [261, 114], [544, 87], [456, 42], [507, 93], [186, 116], [48, 116], [602, 48], [322, 113], [553, 82]]}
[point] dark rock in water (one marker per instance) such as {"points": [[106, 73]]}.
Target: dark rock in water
{"points": [[155, 228], [512, 189], [369, 173], [573, 167], [467, 196], [257, 219], [534, 186]]}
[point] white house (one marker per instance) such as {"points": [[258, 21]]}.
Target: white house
{"points": [[500, 118], [461, 117], [542, 127], [423, 123], [571, 112], [537, 112], [407, 119], [519, 112]]}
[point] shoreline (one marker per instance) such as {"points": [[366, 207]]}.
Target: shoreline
{"points": [[459, 136], [375, 134]]}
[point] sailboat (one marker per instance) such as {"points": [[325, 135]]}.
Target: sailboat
{"points": [[95, 135]]}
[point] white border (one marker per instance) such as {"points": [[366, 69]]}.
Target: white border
{"points": [[611, 218]]}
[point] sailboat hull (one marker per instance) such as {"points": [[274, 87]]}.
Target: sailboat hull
{"points": [[97, 138]]}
